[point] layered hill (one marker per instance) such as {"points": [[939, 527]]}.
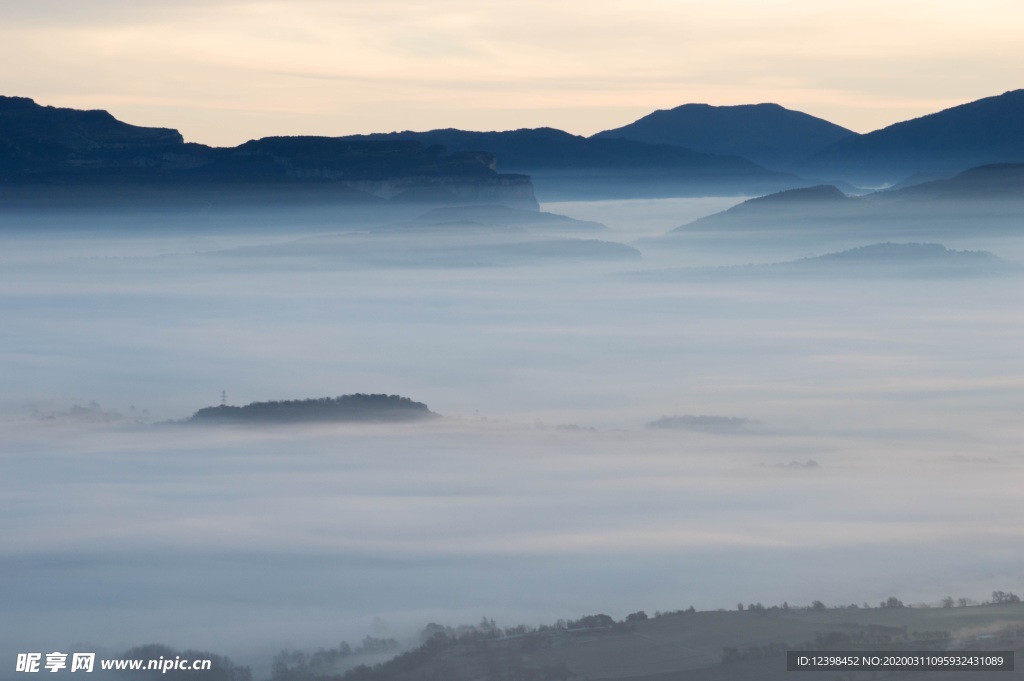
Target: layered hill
{"points": [[768, 134], [47, 151], [875, 261], [793, 208], [987, 199], [563, 165], [749, 643], [998, 182], [986, 131]]}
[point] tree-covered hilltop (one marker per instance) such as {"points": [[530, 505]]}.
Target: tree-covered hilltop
{"points": [[346, 408], [749, 642]]}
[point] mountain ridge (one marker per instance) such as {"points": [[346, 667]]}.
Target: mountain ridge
{"points": [[984, 131], [90, 155], [767, 133], [987, 199], [79, 151], [571, 166]]}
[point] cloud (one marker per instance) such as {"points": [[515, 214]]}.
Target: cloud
{"points": [[223, 538]]}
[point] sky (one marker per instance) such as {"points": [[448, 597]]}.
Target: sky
{"points": [[225, 71]]}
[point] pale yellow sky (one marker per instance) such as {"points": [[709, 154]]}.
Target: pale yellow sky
{"points": [[224, 71]]}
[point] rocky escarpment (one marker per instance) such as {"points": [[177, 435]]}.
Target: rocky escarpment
{"points": [[74, 152]]}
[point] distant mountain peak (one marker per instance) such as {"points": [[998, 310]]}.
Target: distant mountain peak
{"points": [[766, 133], [703, 105]]}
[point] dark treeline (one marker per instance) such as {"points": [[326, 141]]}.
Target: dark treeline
{"points": [[501, 653], [357, 407], [488, 651], [221, 668]]}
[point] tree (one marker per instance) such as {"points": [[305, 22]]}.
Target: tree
{"points": [[1004, 597], [947, 602], [601, 621]]}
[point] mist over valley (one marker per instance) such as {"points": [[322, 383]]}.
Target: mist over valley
{"points": [[783, 391]]}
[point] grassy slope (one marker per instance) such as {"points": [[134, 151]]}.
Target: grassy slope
{"points": [[689, 645]]}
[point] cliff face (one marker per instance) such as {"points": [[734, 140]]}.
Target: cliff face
{"points": [[39, 139], [22, 121], [78, 151]]}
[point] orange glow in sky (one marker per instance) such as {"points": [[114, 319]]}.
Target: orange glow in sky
{"points": [[226, 71]]}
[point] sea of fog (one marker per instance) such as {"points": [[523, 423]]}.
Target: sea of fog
{"points": [[879, 452]]}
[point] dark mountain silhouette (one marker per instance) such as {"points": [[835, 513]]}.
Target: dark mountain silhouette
{"points": [[346, 408], [35, 138], [46, 152], [527, 150], [793, 208], [767, 134], [51, 156], [986, 131], [984, 199], [570, 166]]}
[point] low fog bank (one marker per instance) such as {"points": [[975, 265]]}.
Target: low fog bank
{"points": [[566, 342], [635, 218], [245, 542], [832, 438]]}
